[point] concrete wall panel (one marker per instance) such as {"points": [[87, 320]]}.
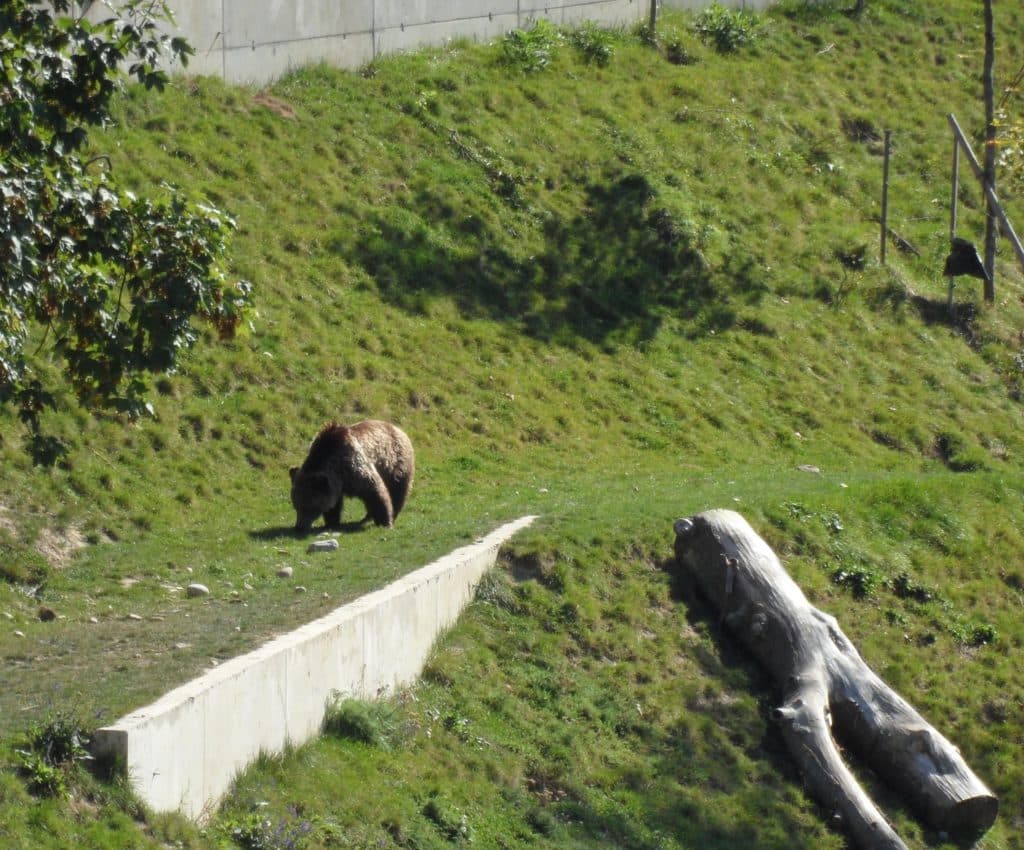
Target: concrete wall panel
{"points": [[276, 21], [415, 12], [183, 751], [604, 12], [267, 62], [396, 40]]}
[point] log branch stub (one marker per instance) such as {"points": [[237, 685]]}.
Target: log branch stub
{"points": [[822, 680]]}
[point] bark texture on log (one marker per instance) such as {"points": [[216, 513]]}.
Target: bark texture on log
{"points": [[823, 680]]}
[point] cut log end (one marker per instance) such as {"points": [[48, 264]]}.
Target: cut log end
{"points": [[973, 814]]}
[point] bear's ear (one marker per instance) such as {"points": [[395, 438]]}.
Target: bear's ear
{"points": [[292, 473]]}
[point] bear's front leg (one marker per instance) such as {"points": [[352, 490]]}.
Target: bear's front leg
{"points": [[332, 518]]}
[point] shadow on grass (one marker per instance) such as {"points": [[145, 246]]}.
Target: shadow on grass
{"points": [[281, 532], [935, 311], [612, 273], [932, 311]]}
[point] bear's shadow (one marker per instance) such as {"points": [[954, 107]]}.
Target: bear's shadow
{"points": [[280, 532]]}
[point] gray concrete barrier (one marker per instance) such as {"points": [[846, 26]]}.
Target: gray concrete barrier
{"points": [[256, 41], [183, 752]]}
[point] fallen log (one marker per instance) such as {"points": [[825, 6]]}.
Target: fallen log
{"points": [[823, 681]]}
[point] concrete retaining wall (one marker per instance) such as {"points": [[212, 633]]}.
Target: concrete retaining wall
{"points": [[183, 751], [256, 41]]}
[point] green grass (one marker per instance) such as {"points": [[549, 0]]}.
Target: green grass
{"points": [[611, 291]]}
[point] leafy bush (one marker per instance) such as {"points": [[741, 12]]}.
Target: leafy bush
{"points": [[256, 832], [676, 50], [974, 634], [593, 43], [532, 49], [906, 588], [727, 30], [862, 581]]}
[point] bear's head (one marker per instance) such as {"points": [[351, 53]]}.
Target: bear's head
{"points": [[313, 494]]}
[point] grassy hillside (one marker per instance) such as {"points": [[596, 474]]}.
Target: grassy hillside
{"points": [[607, 292]]}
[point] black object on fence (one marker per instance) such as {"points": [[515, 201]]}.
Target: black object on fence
{"points": [[964, 259]]}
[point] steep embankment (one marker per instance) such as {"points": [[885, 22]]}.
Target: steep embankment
{"points": [[609, 294]]}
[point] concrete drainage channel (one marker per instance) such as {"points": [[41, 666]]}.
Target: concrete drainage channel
{"points": [[182, 752]]}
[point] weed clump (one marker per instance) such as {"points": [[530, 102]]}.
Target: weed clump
{"points": [[862, 581], [727, 30], [955, 451], [368, 723], [254, 831], [594, 44], [53, 752], [531, 50], [453, 824]]}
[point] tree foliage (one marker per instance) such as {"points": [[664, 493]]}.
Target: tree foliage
{"points": [[109, 283]]}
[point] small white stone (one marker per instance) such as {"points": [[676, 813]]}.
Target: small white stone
{"points": [[196, 589], [300, 588], [94, 620], [329, 545], [19, 633], [134, 617], [285, 572]]}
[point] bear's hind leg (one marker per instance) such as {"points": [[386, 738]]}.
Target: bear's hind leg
{"points": [[379, 511], [378, 500], [378, 507], [399, 493]]}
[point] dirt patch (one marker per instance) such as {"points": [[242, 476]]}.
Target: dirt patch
{"points": [[58, 549], [279, 107], [6, 522]]}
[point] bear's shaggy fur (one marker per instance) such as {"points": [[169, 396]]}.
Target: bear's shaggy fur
{"points": [[371, 460]]}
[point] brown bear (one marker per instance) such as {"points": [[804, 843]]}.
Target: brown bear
{"points": [[371, 460]]}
